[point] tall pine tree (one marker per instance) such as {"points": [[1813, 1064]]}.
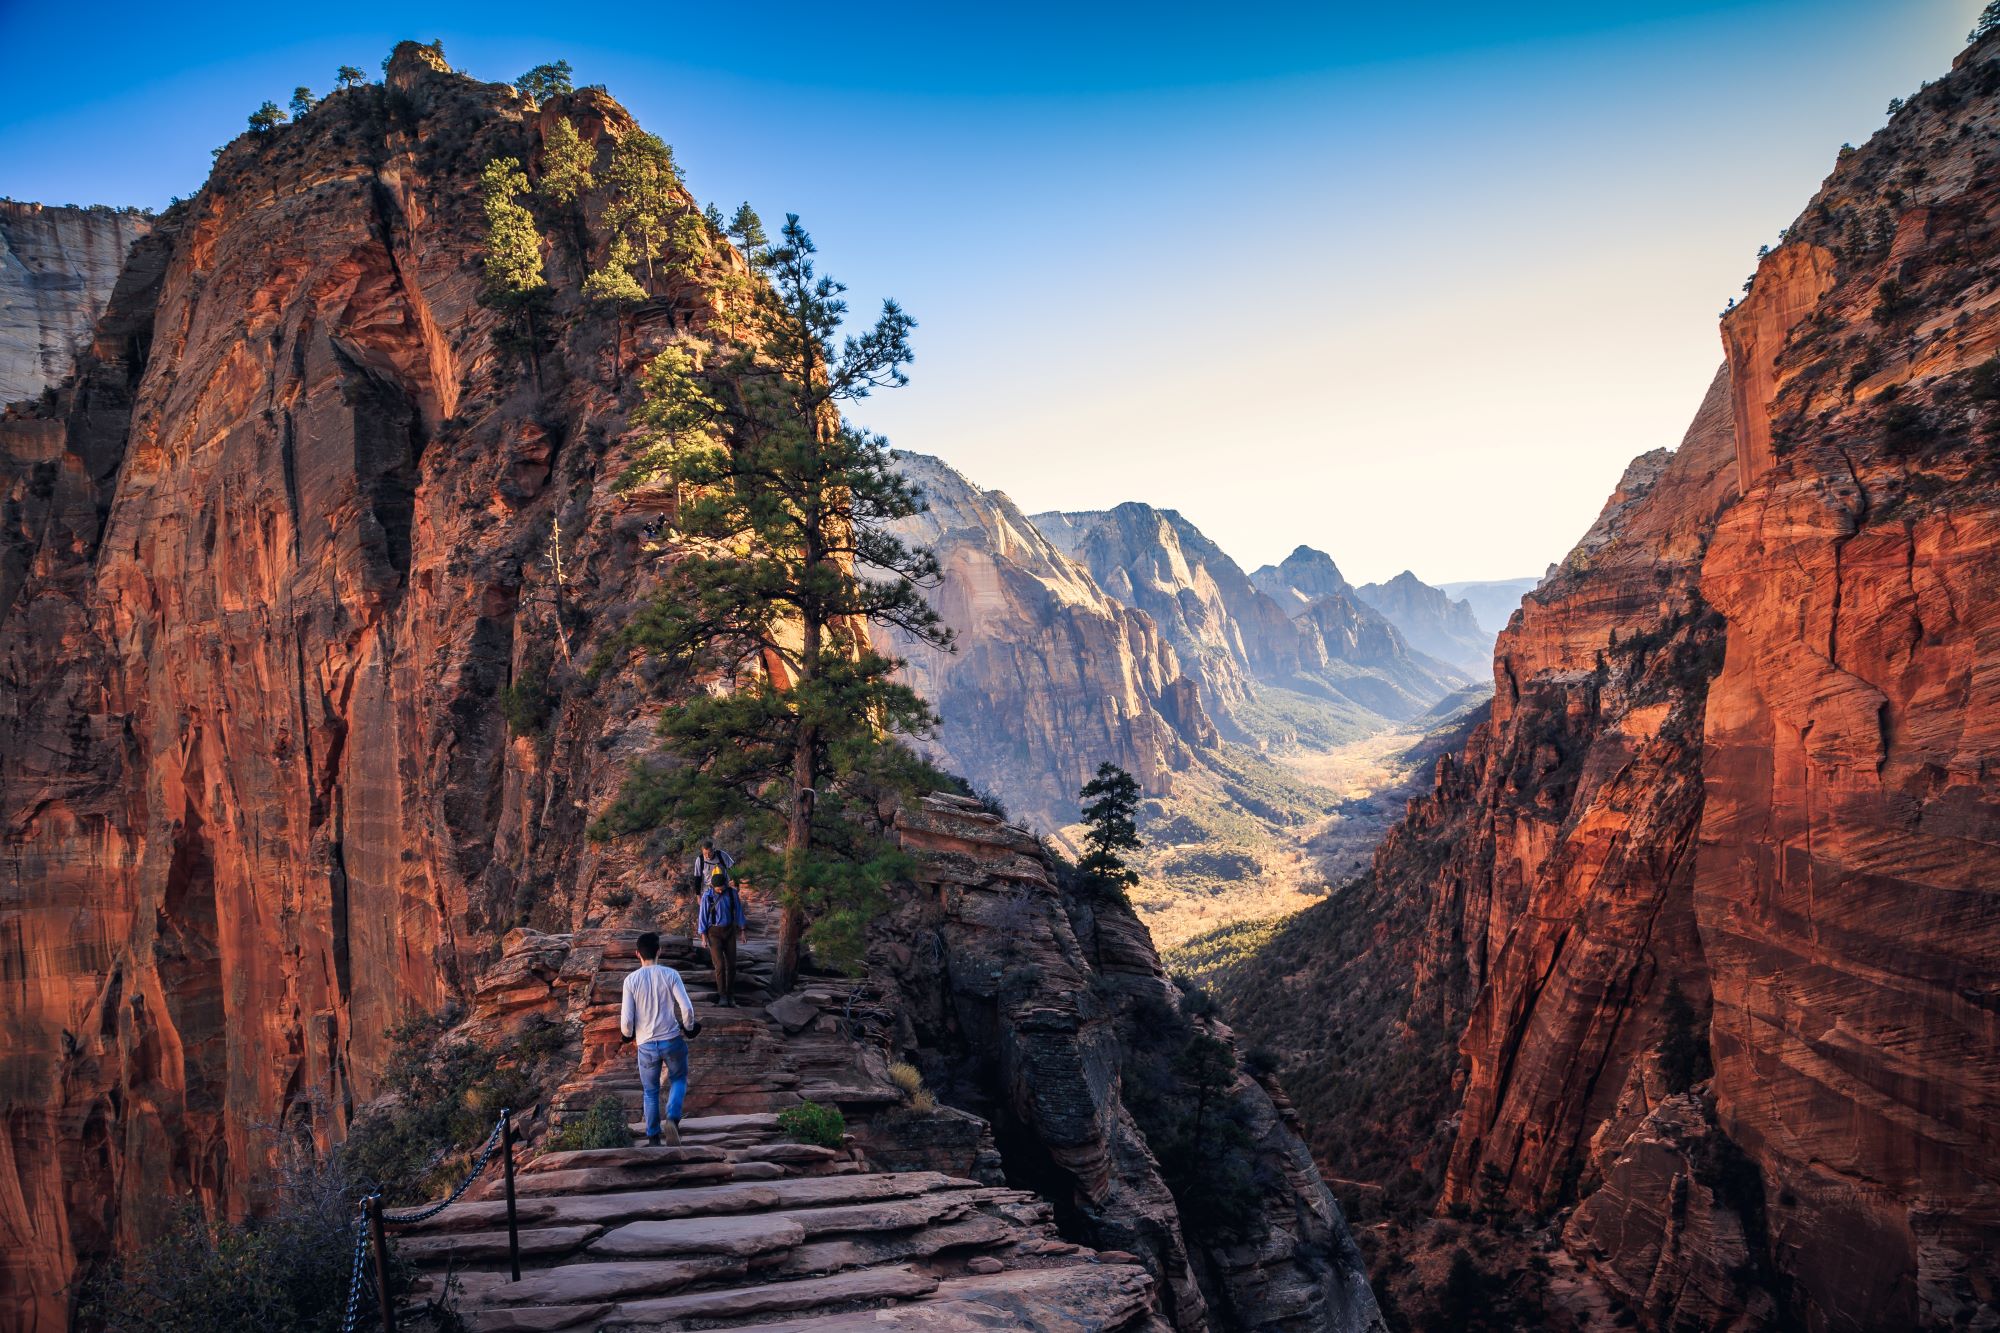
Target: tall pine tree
{"points": [[514, 281], [1110, 818], [785, 558], [566, 176]]}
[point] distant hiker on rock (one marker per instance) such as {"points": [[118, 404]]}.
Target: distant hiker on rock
{"points": [[658, 1014], [720, 922]]}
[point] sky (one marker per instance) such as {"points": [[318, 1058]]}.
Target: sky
{"points": [[1410, 284]]}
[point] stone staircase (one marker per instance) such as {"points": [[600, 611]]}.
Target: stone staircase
{"points": [[738, 1226]]}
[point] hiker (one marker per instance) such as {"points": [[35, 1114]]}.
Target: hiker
{"points": [[658, 1014], [720, 921]]}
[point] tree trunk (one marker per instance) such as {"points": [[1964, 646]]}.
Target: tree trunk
{"points": [[798, 832]]}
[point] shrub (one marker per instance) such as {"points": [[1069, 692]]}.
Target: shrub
{"points": [[809, 1122], [1983, 385], [618, 898], [906, 1077], [602, 1126], [288, 1269], [526, 700]]}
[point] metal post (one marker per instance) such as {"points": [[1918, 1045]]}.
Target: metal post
{"points": [[513, 1226], [381, 1264]]}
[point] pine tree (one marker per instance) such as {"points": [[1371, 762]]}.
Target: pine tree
{"points": [[542, 82], [347, 76], [1208, 1066], [614, 285], [266, 118], [302, 101], [567, 162], [1110, 809], [746, 229], [646, 194], [711, 216], [783, 505], [1988, 24], [514, 281]]}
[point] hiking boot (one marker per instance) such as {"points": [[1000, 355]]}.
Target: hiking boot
{"points": [[652, 1140]]}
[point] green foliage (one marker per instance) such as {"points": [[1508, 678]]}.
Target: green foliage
{"points": [[780, 504], [810, 1122], [1468, 1300], [613, 283], [527, 700], [1988, 24], [646, 196], [566, 164], [347, 76], [444, 1094], [1683, 1046], [1110, 811], [513, 242], [1893, 302], [288, 1269], [266, 118], [545, 81], [746, 229], [302, 101], [602, 1126]]}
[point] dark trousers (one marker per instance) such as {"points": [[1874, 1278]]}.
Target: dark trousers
{"points": [[722, 952]]}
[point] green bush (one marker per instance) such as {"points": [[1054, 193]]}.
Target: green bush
{"points": [[604, 1125], [809, 1122]]}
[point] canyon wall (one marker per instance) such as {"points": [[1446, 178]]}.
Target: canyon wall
{"points": [[58, 265], [1709, 904]]}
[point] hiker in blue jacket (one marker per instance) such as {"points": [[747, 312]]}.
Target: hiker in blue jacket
{"points": [[720, 922]]}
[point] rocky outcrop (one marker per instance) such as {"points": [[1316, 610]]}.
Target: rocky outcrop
{"points": [[1432, 621], [1300, 579], [1049, 676], [1493, 601], [58, 265], [1044, 1014]]}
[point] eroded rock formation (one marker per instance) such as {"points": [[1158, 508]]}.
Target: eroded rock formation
{"points": [[58, 265], [1433, 621]]}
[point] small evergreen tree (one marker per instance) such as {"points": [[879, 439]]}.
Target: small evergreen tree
{"points": [[614, 285], [266, 118], [514, 281], [711, 217], [1206, 1065], [347, 76], [1988, 24], [746, 229], [302, 101], [567, 162], [783, 503], [1110, 810], [542, 82]]}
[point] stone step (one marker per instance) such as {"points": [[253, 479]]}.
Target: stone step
{"points": [[472, 1247], [925, 1242], [697, 1201], [729, 1304], [1074, 1297]]}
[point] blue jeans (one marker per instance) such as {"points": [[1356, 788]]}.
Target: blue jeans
{"points": [[675, 1052]]}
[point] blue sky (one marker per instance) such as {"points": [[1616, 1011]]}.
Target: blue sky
{"points": [[1408, 283]]}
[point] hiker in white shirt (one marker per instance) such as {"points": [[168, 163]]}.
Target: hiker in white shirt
{"points": [[657, 1013]]}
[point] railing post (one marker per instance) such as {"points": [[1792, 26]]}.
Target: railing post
{"points": [[381, 1264], [507, 1161]]}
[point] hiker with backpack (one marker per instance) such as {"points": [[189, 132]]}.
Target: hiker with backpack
{"points": [[657, 1013], [720, 922]]}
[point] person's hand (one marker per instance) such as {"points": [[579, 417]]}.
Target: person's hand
{"points": [[701, 941]]}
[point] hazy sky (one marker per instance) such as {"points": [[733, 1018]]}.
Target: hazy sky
{"points": [[1408, 283]]}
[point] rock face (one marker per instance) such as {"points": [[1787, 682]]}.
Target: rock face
{"points": [[1741, 747], [1432, 621], [1493, 601], [1030, 1007], [1301, 579], [1050, 676], [271, 562], [57, 268]]}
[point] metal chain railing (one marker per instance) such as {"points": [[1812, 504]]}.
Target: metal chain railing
{"points": [[360, 1266], [370, 1220], [485, 1156]]}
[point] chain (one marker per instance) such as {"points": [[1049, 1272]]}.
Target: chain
{"points": [[360, 1264], [485, 1155]]}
